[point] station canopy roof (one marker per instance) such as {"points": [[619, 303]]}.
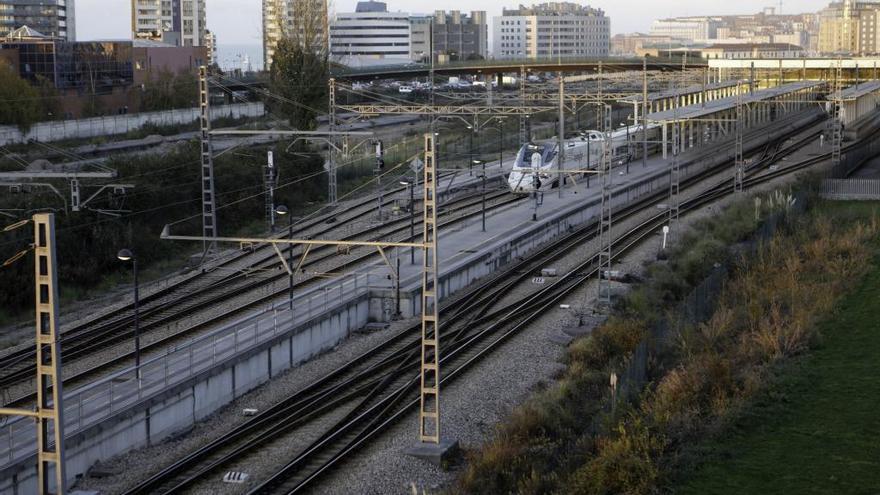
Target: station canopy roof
{"points": [[672, 93], [699, 110], [857, 91]]}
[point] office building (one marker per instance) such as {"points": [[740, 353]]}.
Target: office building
{"points": [[550, 30], [420, 27], [627, 45], [110, 72], [370, 36], [460, 37], [689, 29], [53, 18], [175, 22]]}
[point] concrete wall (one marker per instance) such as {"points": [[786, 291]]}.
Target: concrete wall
{"points": [[121, 124], [182, 406]]}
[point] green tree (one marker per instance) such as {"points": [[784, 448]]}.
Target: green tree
{"points": [[50, 99], [165, 91], [300, 67], [19, 101]]}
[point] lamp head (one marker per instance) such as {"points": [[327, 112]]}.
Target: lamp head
{"points": [[125, 255], [281, 210]]}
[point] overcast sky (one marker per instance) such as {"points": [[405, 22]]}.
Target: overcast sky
{"points": [[238, 21]]}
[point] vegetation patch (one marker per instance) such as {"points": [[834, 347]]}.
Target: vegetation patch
{"points": [[700, 378], [814, 429]]}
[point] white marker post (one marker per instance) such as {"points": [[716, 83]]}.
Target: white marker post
{"points": [[665, 233]]}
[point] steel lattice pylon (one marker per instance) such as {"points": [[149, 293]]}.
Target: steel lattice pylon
{"points": [[739, 162], [429, 407], [675, 179], [209, 205], [837, 121], [331, 159], [49, 409], [50, 430], [605, 236], [523, 137]]}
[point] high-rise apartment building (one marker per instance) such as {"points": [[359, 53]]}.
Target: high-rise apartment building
{"points": [[176, 22], [549, 30], [211, 46], [850, 27], [286, 18], [55, 18], [370, 36]]}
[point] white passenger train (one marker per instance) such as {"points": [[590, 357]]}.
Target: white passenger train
{"points": [[535, 165]]}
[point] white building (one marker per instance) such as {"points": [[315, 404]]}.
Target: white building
{"points": [[550, 30], [370, 36], [687, 28], [176, 22]]}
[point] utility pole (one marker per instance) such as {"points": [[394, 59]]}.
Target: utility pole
{"points": [[209, 205], [49, 408]]}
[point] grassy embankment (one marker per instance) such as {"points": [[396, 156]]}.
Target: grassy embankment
{"points": [[773, 334], [815, 429]]}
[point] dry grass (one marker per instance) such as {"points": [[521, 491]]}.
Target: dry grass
{"points": [[564, 441]]}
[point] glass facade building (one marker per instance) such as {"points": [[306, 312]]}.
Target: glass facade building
{"points": [[93, 66]]}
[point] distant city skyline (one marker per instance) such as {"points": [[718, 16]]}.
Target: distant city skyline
{"points": [[239, 22]]}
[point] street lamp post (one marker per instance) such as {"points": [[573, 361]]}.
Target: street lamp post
{"points": [[283, 210], [128, 255], [412, 217]]}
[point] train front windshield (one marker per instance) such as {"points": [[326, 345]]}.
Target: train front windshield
{"points": [[544, 151]]}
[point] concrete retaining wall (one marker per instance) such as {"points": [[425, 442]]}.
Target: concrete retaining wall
{"points": [[120, 124], [179, 408]]}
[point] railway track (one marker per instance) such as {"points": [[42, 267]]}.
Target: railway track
{"points": [[18, 367], [380, 385]]}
